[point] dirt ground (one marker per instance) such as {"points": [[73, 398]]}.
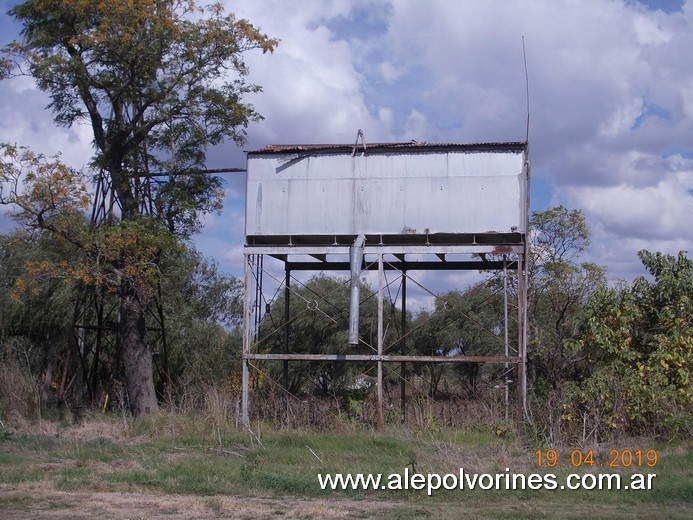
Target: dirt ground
{"points": [[36, 501]]}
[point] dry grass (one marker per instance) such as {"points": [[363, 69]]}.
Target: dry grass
{"points": [[42, 503], [198, 465]]}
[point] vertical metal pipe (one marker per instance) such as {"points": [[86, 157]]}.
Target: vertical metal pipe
{"points": [[381, 276], [525, 333], [355, 262], [403, 369], [257, 317], [521, 302], [525, 287], [246, 340], [287, 318], [506, 401]]}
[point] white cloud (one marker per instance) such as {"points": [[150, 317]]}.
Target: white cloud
{"points": [[626, 218], [417, 126], [649, 31], [652, 212], [25, 122], [311, 87], [231, 258], [390, 72], [611, 88], [623, 118]]}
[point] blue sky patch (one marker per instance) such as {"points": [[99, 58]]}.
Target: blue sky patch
{"points": [[668, 6], [651, 110]]}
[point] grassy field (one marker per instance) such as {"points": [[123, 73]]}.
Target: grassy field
{"points": [[181, 467]]}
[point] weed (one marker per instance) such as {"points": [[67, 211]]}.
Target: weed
{"points": [[287, 465]]}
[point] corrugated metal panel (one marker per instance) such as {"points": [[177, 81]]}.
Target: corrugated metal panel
{"points": [[393, 189], [380, 147]]}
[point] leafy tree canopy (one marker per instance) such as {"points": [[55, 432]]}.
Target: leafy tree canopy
{"points": [[640, 345], [158, 81]]}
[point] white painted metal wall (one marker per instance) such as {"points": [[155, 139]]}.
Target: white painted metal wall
{"points": [[445, 190]]}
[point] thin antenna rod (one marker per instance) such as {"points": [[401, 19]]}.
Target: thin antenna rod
{"points": [[524, 55]]}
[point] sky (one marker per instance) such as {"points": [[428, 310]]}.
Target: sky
{"points": [[610, 102]]}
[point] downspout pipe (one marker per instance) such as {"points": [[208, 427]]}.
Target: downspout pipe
{"points": [[355, 263]]}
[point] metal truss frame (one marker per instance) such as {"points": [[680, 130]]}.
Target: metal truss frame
{"points": [[407, 257]]}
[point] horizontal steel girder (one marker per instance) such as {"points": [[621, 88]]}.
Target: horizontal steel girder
{"points": [[384, 249], [403, 266], [383, 358]]}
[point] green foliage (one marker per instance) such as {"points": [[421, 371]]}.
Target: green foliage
{"points": [[182, 200], [318, 323], [43, 192], [558, 288], [160, 58], [202, 309], [127, 254], [35, 312], [558, 235], [640, 345], [462, 323], [31, 303], [603, 360], [158, 81]]}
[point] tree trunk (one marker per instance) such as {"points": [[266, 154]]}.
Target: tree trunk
{"points": [[137, 356], [48, 377], [132, 328]]}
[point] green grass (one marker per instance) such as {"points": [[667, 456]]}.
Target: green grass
{"points": [[286, 464]]}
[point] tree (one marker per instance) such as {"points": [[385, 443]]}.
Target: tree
{"points": [[158, 81], [318, 324], [203, 310], [558, 288], [639, 342], [464, 323], [43, 193], [49, 199], [34, 317]]}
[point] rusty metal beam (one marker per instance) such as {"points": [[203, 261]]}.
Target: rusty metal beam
{"points": [[461, 248], [384, 358], [403, 266]]}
